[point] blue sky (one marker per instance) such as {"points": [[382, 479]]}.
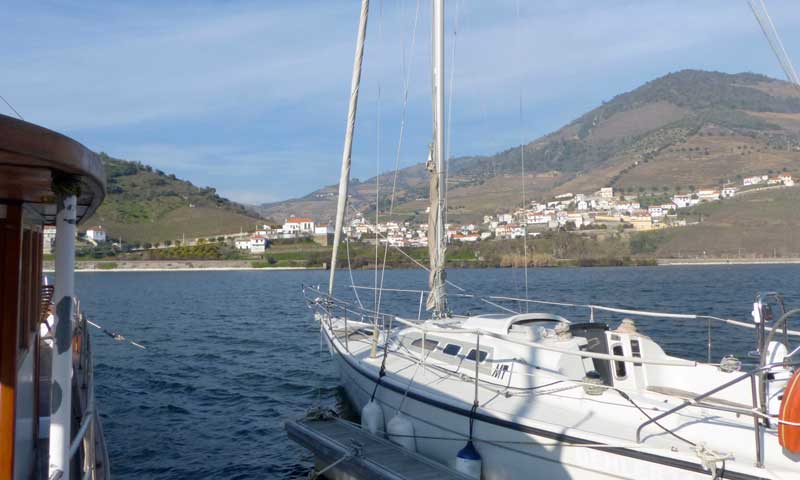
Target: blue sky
{"points": [[251, 97]]}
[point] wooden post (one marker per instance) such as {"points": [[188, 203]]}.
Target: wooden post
{"points": [[10, 271]]}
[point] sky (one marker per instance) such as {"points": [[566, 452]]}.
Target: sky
{"points": [[250, 97]]}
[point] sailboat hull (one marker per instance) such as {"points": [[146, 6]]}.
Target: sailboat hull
{"points": [[440, 428]]}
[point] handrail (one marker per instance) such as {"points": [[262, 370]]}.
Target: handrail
{"points": [[592, 308], [708, 393], [90, 418], [578, 353]]}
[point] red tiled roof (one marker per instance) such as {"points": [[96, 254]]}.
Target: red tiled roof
{"points": [[298, 220]]}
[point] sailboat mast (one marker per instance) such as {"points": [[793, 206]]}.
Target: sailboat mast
{"points": [[436, 235], [344, 177]]}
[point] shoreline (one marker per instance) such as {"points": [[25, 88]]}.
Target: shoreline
{"points": [[246, 266], [187, 269], [674, 262], [171, 266]]}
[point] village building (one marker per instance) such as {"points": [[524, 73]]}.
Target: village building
{"points": [[323, 229], [754, 180], [708, 194], [298, 226], [258, 244], [97, 234], [468, 238], [684, 200]]}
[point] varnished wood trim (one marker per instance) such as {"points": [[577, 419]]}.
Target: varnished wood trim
{"points": [[10, 266]]}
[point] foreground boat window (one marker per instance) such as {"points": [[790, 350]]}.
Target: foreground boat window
{"points": [[429, 344], [452, 349], [619, 367], [471, 355]]}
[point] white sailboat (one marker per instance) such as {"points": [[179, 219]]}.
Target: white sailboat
{"points": [[520, 394]]}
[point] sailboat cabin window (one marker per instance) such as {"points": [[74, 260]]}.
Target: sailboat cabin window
{"points": [[481, 357], [429, 344], [619, 367], [452, 349]]}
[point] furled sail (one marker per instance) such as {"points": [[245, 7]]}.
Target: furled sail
{"points": [[436, 249]]}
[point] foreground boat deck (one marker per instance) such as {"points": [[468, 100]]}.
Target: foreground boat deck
{"points": [[366, 456]]}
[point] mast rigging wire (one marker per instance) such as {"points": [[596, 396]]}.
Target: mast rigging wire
{"points": [[11, 107], [522, 160], [378, 159], [407, 67], [450, 94], [771, 34]]}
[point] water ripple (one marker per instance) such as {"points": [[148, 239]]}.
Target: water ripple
{"points": [[232, 355]]}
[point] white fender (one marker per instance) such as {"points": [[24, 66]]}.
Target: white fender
{"points": [[401, 431], [468, 461], [372, 418]]}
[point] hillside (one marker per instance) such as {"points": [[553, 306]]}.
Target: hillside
{"points": [[690, 128], [760, 224], [147, 205]]}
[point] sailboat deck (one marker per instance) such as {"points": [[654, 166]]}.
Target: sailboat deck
{"points": [[371, 457]]}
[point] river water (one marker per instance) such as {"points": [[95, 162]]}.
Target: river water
{"points": [[231, 355]]}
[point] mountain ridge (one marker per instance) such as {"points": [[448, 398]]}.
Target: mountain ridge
{"points": [[706, 123]]}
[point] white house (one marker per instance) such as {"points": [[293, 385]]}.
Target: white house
{"points": [[243, 244], [708, 194], [295, 226], [754, 180], [656, 211], [728, 192], [323, 230], [258, 244], [505, 218], [787, 179], [606, 192], [504, 231], [98, 234], [683, 201], [578, 219], [582, 205]]}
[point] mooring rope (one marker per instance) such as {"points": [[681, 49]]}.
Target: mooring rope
{"points": [[116, 336]]}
